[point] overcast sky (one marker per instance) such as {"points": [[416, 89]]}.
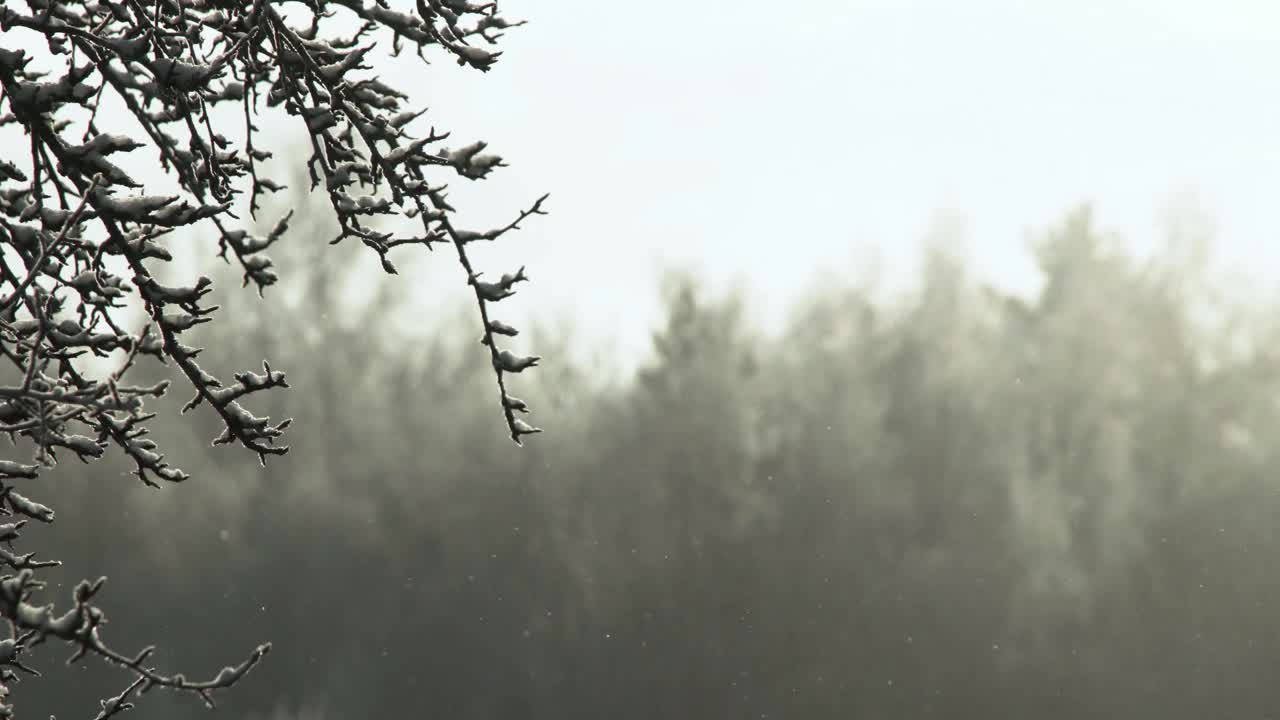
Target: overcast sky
{"points": [[759, 142]]}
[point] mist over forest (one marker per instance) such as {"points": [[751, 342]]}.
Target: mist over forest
{"points": [[959, 503]]}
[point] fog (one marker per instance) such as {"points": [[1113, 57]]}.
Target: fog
{"points": [[901, 359], [759, 143], [957, 503]]}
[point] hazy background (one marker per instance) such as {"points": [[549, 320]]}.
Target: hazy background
{"points": [[757, 142], [909, 359], [954, 504]]}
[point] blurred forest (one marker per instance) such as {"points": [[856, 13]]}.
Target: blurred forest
{"points": [[958, 504]]}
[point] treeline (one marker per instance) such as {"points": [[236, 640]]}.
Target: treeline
{"points": [[958, 505]]}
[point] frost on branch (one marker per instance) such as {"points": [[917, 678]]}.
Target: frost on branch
{"points": [[82, 236]]}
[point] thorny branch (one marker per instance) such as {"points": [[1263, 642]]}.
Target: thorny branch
{"points": [[80, 238]]}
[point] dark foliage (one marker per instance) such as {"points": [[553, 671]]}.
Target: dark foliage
{"points": [[963, 504]]}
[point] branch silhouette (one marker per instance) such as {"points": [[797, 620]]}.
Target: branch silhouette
{"points": [[81, 240]]}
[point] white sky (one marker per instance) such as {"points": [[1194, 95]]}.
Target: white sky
{"points": [[759, 142], [761, 145]]}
